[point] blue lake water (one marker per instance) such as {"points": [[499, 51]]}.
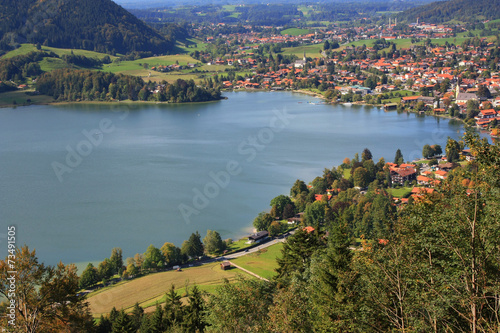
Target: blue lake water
{"points": [[78, 180]]}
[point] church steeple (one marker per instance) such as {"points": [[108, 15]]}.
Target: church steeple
{"points": [[304, 56]]}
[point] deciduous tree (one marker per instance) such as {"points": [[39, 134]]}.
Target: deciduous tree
{"points": [[46, 296]]}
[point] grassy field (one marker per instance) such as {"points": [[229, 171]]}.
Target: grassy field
{"points": [[19, 98], [142, 68], [347, 173], [262, 262], [312, 51], [188, 45], [492, 22], [238, 245], [153, 287], [26, 48], [295, 32], [400, 192]]}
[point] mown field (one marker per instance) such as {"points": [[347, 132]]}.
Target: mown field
{"points": [[262, 262], [151, 288]]}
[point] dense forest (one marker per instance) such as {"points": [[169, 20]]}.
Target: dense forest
{"points": [[19, 67], [86, 85], [97, 25], [272, 14], [432, 265], [458, 10]]}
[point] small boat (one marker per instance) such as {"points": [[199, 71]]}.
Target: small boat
{"points": [[347, 104]]}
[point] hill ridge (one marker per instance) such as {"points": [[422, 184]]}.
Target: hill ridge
{"points": [[96, 25]]}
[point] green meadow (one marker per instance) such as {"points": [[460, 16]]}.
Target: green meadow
{"points": [[295, 32]]}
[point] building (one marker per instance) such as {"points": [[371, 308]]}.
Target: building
{"points": [[258, 237], [296, 219], [400, 176], [225, 265]]}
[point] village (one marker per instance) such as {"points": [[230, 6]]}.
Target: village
{"points": [[405, 68]]}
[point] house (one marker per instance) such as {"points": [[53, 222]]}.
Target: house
{"points": [[441, 174], [319, 197], [423, 180], [258, 237], [445, 166], [309, 229], [296, 219], [468, 154], [399, 176], [421, 191], [225, 265], [486, 114]]}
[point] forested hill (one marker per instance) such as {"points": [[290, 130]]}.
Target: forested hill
{"points": [[97, 25], [459, 10]]}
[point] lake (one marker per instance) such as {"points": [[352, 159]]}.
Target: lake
{"points": [[78, 180]]}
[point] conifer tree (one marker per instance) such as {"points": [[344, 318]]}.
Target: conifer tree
{"points": [[194, 319], [174, 310], [123, 323]]}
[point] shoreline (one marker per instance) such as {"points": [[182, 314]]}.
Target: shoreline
{"points": [[313, 94], [298, 91], [115, 102]]}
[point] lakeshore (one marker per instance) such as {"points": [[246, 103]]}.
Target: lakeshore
{"points": [[160, 156]]}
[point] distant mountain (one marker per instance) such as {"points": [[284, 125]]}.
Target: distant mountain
{"points": [[459, 10], [97, 25]]}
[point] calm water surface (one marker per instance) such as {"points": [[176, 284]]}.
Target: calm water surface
{"points": [[147, 161]]}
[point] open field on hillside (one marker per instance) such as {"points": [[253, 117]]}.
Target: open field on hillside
{"points": [[191, 45], [148, 289], [312, 51], [295, 32], [26, 48], [262, 262]]}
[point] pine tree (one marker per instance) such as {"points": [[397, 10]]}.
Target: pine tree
{"points": [[136, 316], [123, 324], [296, 255], [194, 319], [116, 260], [174, 310], [157, 321], [105, 325], [333, 281]]}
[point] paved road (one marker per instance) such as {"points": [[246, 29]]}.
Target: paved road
{"points": [[253, 249], [242, 252]]}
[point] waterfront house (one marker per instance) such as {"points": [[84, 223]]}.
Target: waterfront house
{"points": [[258, 237]]}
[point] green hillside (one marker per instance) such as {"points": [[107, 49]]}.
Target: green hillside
{"points": [[458, 10], [95, 25]]}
